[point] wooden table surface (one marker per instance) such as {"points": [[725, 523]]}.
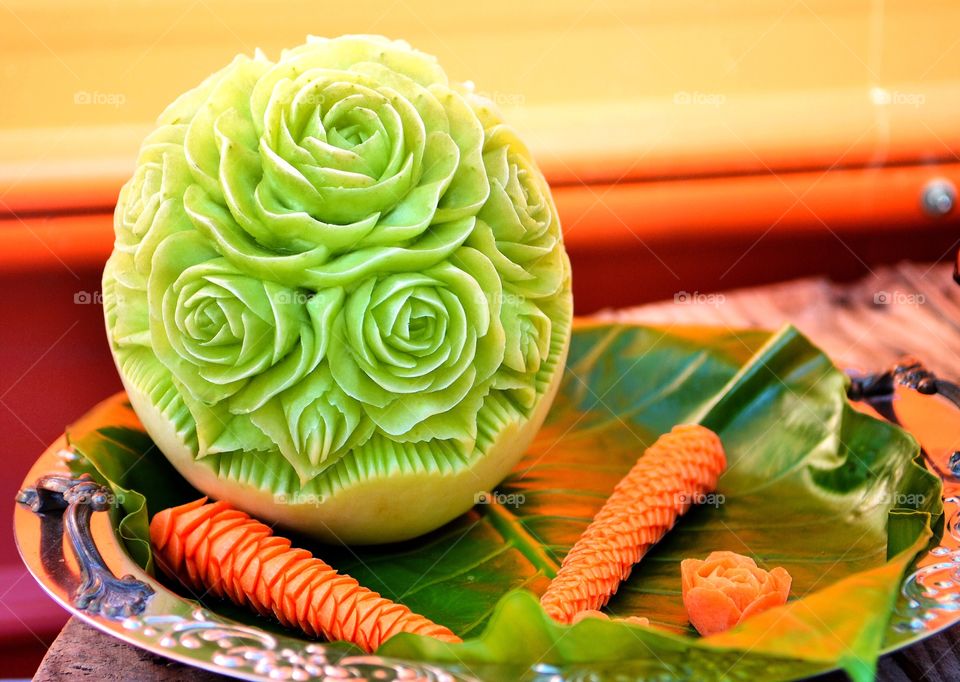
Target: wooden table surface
{"points": [[910, 309]]}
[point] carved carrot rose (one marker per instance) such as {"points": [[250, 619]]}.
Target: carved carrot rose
{"points": [[727, 588]]}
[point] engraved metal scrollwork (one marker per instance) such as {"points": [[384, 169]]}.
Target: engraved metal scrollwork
{"points": [[250, 650], [933, 590], [100, 592]]}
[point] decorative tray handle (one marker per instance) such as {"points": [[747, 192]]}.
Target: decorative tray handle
{"points": [[877, 391], [100, 592], [908, 372]]}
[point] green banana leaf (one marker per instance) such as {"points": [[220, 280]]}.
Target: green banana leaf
{"points": [[836, 497]]}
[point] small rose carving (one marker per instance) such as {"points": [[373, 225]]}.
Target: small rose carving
{"points": [[518, 224], [727, 588]]}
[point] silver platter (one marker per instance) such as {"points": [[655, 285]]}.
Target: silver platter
{"points": [[181, 629]]}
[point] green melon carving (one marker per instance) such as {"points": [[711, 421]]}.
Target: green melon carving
{"points": [[339, 295]]}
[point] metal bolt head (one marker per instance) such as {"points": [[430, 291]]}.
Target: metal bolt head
{"points": [[927, 385], [938, 198]]}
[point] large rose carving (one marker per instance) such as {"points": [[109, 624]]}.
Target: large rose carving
{"points": [[418, 348], [231, 341], [337, 156]]}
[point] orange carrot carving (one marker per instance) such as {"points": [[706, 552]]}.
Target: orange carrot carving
{"points": [[727, 588], [214, 547], [674, 472]]}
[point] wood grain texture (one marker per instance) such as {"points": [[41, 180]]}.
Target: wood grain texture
{"points": [[908, 309]]}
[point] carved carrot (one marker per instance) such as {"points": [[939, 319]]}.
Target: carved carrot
{"points": [[214, 547], [674, 472]]}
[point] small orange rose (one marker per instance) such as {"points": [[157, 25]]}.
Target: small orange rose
{"points": [[727, 588]]}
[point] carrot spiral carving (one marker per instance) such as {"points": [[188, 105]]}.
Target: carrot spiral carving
{"points": [[678, 469], [212, 547]]}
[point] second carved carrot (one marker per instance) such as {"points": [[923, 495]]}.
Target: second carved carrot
{"points": [[679, 469]]}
